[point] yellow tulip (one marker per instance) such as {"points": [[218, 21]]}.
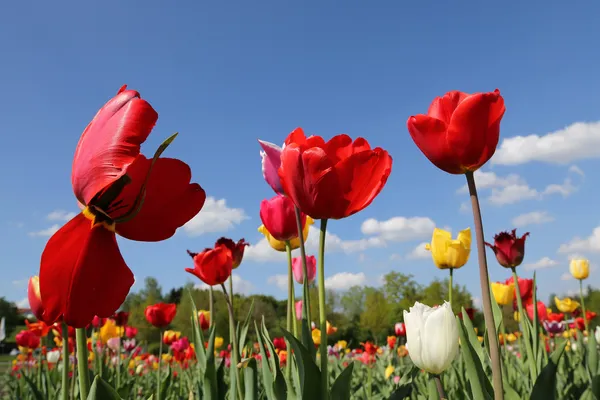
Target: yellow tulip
{"points": [[580, 268], [503, 294], [167, 358], [566, 305], [218, 342], [155, 365], [389, 371], [91, 356], [449, 253], [511, 337], [110, 330], [294, 243], [131, 364], [316, 336], [342, 344]]}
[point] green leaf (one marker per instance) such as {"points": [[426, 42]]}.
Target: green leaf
{"points": [[307, 339], [210, 388], [267, 375], [310, 375], [37, 395], [596, 387], [473, 336], [545, 384], [100, 390], [478, 380], [197, 336], [251, 380], [342, 385], [221, 385], [165, 384], [592, 355], [244, 328]]}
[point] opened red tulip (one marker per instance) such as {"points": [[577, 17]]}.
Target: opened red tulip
{"points": [[27, 339], [508, 248], [334, 179], [279, 343], [121, 318], [460, 131], [525, 288], [212, 266], [237, 249], [298, 269], [82, 272], [161, 314], [278, 215]]}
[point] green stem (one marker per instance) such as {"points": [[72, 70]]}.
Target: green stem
{"points": [[160, 350], [322, 316], [439, 387], [450, 287], [211, 305], [585, 320], [294, 316], [290, 307], [64, 390], [369, 381], [40, 365], [234, 351], [231, 302], [524, 328], [306, 297], [82, 363], [484, 281]]}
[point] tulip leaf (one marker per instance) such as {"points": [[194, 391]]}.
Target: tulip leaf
{"points": [[310, 382], [478, 380], [100, 390], [280, 389], [221, 385], [244, 328], [197, 336], [251, 380], [37, 395], [267, 375], [592, 356], [473, 336], [210, 388], [166, 382], [342, 385], [307, 339], [497, 312], [545, 384]]}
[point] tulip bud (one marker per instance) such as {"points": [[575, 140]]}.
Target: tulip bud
{"points": [[580, 268], [298, 269], [503, 293], [400, 329], [53, 356], [431, 336], [509, 249]]}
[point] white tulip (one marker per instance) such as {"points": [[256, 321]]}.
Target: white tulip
{"points": [[597, 334], [431, 336], [53, 356]]}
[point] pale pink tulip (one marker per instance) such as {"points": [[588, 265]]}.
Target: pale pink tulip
{"points": [[298, 269]]}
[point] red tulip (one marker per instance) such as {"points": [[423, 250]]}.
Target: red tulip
{"points": [[98, 322], [120, 318], [27, 339], [212, 266], [556, 317], [509, 249], [400, 329], [279, 343], [35, 299], [578, 323], [460, 131], [82, 272], [334, 179], [590, 315], [279, 217], [370, 348], [542, 310], [131, 332], [391, 341], [525, 288], [161, 314], [237, 249], [204, 319], [298, 269], [39, 328]]}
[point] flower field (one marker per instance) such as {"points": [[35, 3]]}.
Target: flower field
{"points": [[84, 345]]}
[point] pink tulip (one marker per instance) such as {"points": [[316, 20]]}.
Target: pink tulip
{"points": [[271, 161], [181, 344], [299, 310], [114, 343], [298, 269]]}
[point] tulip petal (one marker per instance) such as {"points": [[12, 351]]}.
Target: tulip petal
{"points": [[110, 143], [413, 320], [82, 273], [429, 134], [271, 161], [170, 200], [296, 136], [341, 146], [443, 107], [440, 336]]}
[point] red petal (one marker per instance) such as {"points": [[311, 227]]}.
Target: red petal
{"points": [[83, 274], [429, 134], [341, 146], [169, 203], [296, 136], [442, 108], [110, 143]]}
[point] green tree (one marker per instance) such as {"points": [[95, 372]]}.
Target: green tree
{"points": [[9, 311], [136, 304], [375, 318], [401, 291]]}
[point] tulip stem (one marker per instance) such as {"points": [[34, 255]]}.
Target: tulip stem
{"points": [[234, 344], [585, 320], [322, 316], [160, 351], [306, 292], [290, 307], [485, 290], [210, 305], [64, 390], [450, 287], [524, 327], [82, 362], [439, 387]]}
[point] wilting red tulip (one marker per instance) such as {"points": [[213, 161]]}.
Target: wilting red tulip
{"points": [[237, 249], [120, 318], [334, 179], [508, 248], [82, 271], [460, 131], [400, 329], [278, 215], [131, 332], [525, 288], [298, 269], [279, 343], [35, 299], [161, 314], [27, 339], [271, 161], [212, 266], [98, 322], [542, 310]]}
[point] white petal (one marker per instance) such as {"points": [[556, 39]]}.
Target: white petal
{"points": [[440, 339]]}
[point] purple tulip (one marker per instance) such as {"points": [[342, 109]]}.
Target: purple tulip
{"points": [[553, 326]]}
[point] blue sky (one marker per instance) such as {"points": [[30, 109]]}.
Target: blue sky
{"points": [[226, 73]]}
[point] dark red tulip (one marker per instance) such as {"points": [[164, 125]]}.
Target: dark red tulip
{"points": [[161, 314], [212, 266], [237, 249], [82, 271], [460, 131], [121, 318], [278, 215], [334, 179], [470, 313], [509, 249]]}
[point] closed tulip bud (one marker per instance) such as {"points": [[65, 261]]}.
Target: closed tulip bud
{"points": [[53, 356], [278, 215], [204, 319], [389, 371], [566, 305], [298, 306], [542, 312], [503, 294], [508, 248], [170, 336], [161, 314], [279, 245], [400, 329], [27, 339], [525, 287], [316, 336], [449, 253], [580, 268], [298, 269], [431, 336], [131, 332]]}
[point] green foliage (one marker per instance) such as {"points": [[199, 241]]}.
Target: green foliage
{"points": [[9, 311]]}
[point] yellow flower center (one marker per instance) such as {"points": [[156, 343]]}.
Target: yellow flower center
{"points": [[98, 216]]}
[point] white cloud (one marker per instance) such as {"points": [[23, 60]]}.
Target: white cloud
{"points": [[214, 217], [518, 192], [532, 218], [576, 170], [20, 282], [240, 285], [24, 303], [488, 180], [419, 252], [281, 281], [46, 232], [566, 276], [545, 262], [578, 141], [399, 229], [477, 303], [591, 244], [60, 215], [263, 252], [345, 280], [395, 257], [464, 207]]}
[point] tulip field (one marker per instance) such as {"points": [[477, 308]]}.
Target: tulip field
{"points": [[83, 346]]}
